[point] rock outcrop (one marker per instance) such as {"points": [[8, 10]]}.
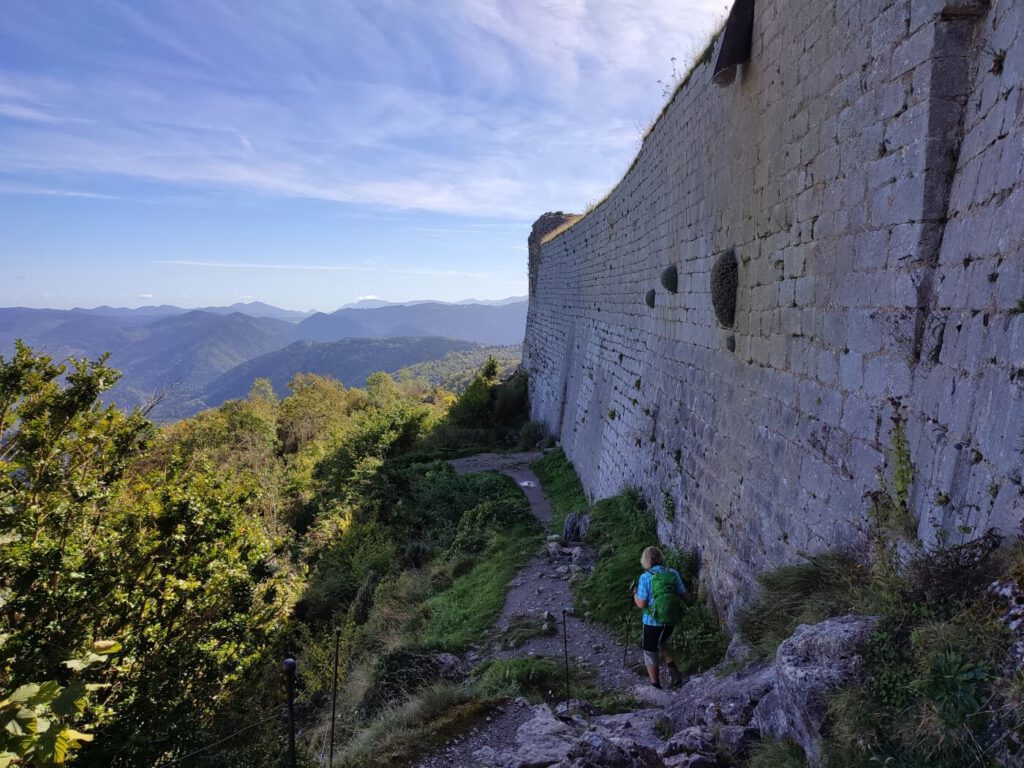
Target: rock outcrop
{"points": [[716, 716], [815, 661]]}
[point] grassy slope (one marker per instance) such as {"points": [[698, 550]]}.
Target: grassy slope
{"points": [[464, 612]]}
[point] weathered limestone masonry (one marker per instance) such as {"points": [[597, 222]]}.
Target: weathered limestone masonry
{"points": [[866, 166]]}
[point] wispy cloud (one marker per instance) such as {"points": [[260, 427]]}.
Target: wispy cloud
{"points": [[475, 107], [326, 268]]}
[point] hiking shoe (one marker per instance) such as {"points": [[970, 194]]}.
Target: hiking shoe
{"points": [[656, 685]]}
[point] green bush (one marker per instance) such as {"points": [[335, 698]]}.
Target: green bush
{"points": [[397, 735], [542, 679], [533, 434], [931, 694], [533, 677], [826, 585]]}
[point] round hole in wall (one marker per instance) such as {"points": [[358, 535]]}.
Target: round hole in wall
{"points": [[724, 285], [649, 298], [670, 279]]}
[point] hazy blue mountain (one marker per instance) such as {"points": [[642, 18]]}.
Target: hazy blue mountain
{"points": [[179, 355], [28, 324], [150, 311], [260, 309], [495, 302], [370, 304], [502, 324], [350, 361]]}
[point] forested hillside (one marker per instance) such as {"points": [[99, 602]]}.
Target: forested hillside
{"points": [[187, 360], [153, 579], [349, 361]]}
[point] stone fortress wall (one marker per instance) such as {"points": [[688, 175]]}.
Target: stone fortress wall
{"points": [[866, 167]]}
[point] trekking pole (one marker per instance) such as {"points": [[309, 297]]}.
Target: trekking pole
{"points": [[565, 646], [334, 696], [625, 626], [625, 637]]}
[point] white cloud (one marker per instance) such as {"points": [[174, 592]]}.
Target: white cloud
{"points": [[476, 107], [145, 296], [325, 268]]}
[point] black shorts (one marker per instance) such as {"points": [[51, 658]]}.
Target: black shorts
{"points": [[656, 637]]}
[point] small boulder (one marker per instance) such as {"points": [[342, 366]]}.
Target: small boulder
{"points": [[693, 740], [570, 529], [449, 667], [814, 661], [575, 708], [576, 526], [595, 750], [709, 700], [640, 726], [542, 740]]}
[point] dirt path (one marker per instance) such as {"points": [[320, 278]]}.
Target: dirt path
{"points": [[540, 587]]}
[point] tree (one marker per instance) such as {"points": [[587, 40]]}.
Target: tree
{"points": [[98, 543]]}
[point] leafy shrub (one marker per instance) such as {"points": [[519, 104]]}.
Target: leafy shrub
{"points": [[533, 677], [399, 734], [826, 585], [397, 675], [533, 434]]}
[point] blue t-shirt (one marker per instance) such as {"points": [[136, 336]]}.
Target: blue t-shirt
{"points": [[643, 591]]}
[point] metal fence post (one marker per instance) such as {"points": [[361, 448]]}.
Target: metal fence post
{"points": [[289, 679], [334, 696]]}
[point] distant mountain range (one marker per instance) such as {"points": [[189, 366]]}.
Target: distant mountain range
{"points": [[350, 361], [378, 303], [198, 358], [487, 324]]}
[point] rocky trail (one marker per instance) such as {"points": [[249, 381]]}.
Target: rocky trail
{"points": [[536, 597], [714, 719]]}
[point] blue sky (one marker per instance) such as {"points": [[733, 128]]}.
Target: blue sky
{"points": [[309, 152]]}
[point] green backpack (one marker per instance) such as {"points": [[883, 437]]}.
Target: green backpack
{"points": [[665, 606]]}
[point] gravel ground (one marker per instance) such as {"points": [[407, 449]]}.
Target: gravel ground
{"points": [[498, 732], [541, 585]]}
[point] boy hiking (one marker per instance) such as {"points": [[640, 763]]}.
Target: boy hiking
{"points": [[659, 593]]}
